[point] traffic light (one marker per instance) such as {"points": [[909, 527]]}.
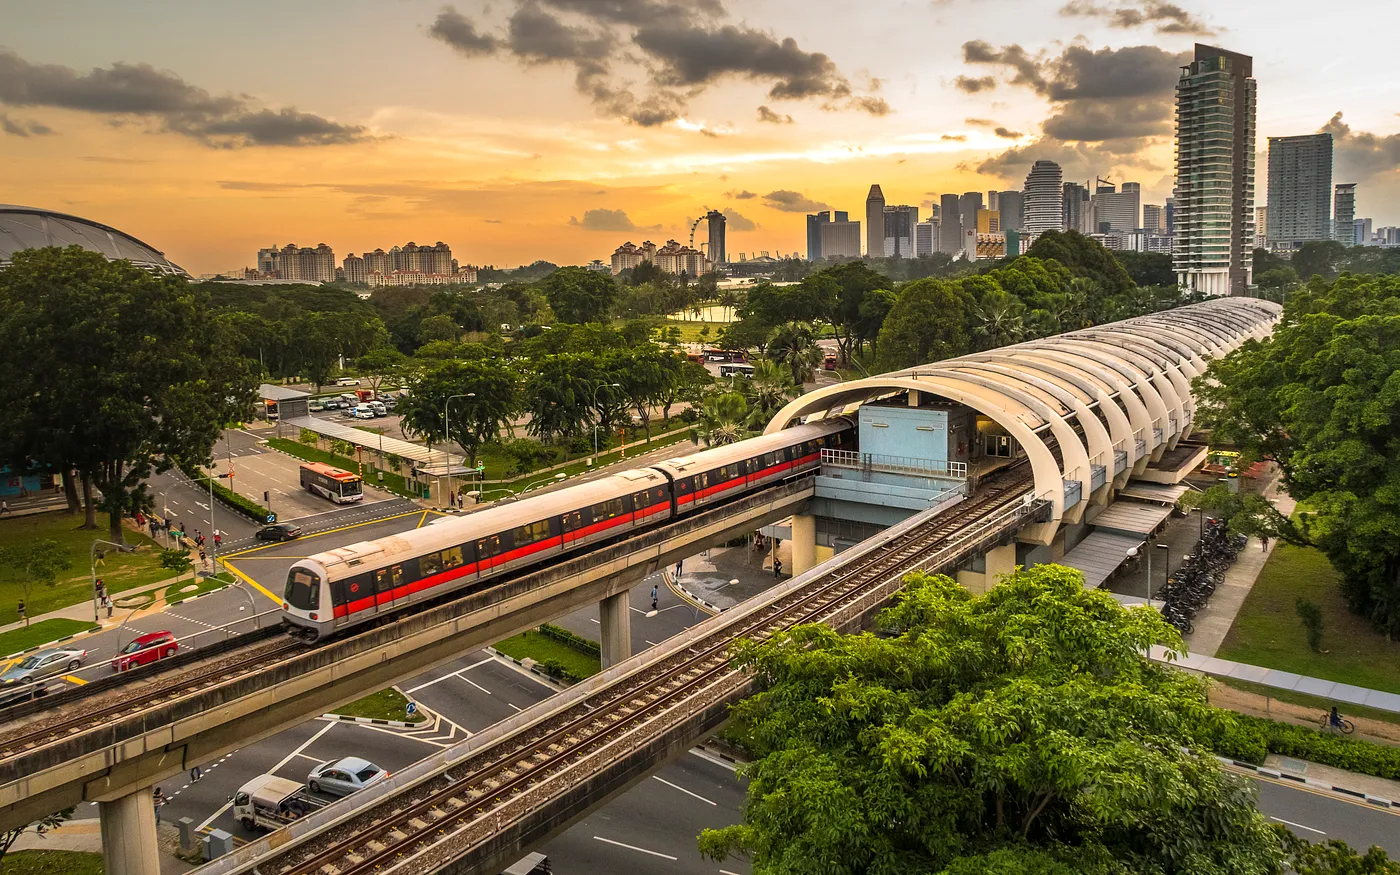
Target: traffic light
{"points": [[266, 501]]}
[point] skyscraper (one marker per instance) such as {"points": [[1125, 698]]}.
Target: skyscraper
{"points": [[1171, 216], [1115, 210], [875, 223], [1010, 205], [1215, 108], [814, 234], [949, 225], [840, 237], [715, 219], [1344, 214], [1154, 219], [899, 231], [968, 205], [1300, 190], [994, 200], [925, 238], [1044, 203], [1075, 208]]}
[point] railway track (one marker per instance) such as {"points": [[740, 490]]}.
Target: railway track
{"points": [[402, 831], [124, 701]]}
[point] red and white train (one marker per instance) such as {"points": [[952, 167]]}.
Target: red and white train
{"points": [[340, 589]]}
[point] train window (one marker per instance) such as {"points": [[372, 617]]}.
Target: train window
{"points": [[430, 564], [531, 532], [488, 547], [702, 480], [608, 509], [768, 460], [452, 557], [573, 520], [381, 580], [396, 575], [641, 500]]}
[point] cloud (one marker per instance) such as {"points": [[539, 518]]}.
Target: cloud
{"points": [[604, 220], [493, 221], [684, 49], [1027, 68], [22, 128], [124, 91], [959, 138], [1007, 133], [1361, 156], [792, 202], [738, 222], [741, 195], [1167, 18], [767, 115], [975, 85], [979, 122]]}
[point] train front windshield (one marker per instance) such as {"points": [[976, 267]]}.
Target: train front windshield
{"points": [[303, 589]]}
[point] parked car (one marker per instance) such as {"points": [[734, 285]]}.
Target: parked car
{"points": [[379, 408], [146, 649], [45, 664], [344, 776], [14, 692], [278, 532], [363, 411], [348, 381], [316, 406]]}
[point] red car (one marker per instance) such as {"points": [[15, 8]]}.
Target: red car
{"points": [[146, 649]]}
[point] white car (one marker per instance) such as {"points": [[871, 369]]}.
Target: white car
{"points": [[348, 381], [344, 776]]}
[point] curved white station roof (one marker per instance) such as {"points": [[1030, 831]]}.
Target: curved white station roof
{"points": [[32, 228]]}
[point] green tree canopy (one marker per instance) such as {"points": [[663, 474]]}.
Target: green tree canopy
{"points": [[1019, 731], [493, 397], [576, 294], [927, 323]]}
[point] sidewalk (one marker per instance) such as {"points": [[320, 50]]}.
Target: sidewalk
{"points": [[86, 835]]}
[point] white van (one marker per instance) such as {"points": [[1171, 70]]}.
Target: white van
{"points": [[363, 411], [347, 381], [378, 408], [350, 399], [269, 802]]}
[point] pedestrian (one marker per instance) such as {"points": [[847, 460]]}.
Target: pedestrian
{"points": [[777, 567], [101, 590], [1264, 543], [158, 799], [101, 558], [653, 604], [4, 507], [195, 774], [218, 539], [653, 592], [108, 602], [678, 571], [20, 611], [198, 538], [155, 528], [204, 560]]}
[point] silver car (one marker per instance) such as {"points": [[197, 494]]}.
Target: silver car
{"points": [[344, 776], [44, 664]]}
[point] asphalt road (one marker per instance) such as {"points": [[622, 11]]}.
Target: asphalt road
{"points": [[1318, 816]]}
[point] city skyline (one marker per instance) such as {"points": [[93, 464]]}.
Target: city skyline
{"points": [[209, 150]]}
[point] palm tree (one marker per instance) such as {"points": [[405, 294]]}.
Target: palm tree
{"points": [[768, 390], [998, 319], [722, 419], [794, 344]]}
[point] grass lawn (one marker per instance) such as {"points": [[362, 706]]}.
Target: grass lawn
{"points": [[1318, 704], [188, 589], [387, 704], [120, 571], [40, 633], [690, 330], [53, 863], [1268, 632], [533, 645]]}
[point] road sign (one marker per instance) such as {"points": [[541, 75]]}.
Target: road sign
{"points": [[272, 518], [412, 708]]}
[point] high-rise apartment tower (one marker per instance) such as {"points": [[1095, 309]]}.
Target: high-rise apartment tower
{"points": [[1300, 190], [1344, 214], [1044, 204]]}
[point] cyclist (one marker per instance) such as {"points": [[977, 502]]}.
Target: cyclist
{"points": [[1334, 719]]}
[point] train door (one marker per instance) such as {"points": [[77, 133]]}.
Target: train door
{"points": [[571, 526], [386, 581], [488, 555]]}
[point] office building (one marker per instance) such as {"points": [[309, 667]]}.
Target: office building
{"points": [[925, 238], [1363, 232], [968, 205], [988, 221], [1300, 191], [715, 219], [1115, 210], [899, 231], [1044, 200], [1216, 100], [1075, 210], [1344, 213], [1154, 219], [840, 238], [814, 234], [994, 200], [1009, 204], [949, 225], [875, 222]]}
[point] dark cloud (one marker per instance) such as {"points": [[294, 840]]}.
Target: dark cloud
{"points": [[737, 222], [792, 202], [975, 85], [980, 122], [1167, 18], [604, 220], [683, 50], [493, 221], [1360, 156], [767, 115], [1007, 133], [22, 128], [141, 91], [741, 195], [959, 138], [1028, 69]]}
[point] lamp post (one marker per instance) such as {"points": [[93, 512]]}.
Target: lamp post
{"points": [[92, 567], [1166, 570], [447, 435]]}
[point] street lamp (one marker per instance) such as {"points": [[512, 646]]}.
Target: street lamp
{"points": [[447, 435], [92, 567], [1166, 570]]}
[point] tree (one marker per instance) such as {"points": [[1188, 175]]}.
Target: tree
{"points": [[998, 320], [767, 391], [38, 561], [380, 362], [439, 327], [478, 398], [48, 823], [874, 307], [1318, 258], [1148, 268], [644, 374], [1333, 857], [689, 385], [577, 295], [927, 323], [1320, 398], [794, 346], [1018, 731], [176, 561], [119, 371], [722, 419], [560, 393]]}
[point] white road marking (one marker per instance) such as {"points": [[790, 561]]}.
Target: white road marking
{"points": [[635, 848], [309, 757], [454, 674], [595, 620], [727, 872], [202, 504], [477, 685], [1298, 825], [521, 671], [396, 733], [651, 642], [517, 708], [272, 771], [683, 790]]}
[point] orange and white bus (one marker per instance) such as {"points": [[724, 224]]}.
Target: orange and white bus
{"points": [[339, 486]]}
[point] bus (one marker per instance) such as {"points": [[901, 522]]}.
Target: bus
{"points": [[337, 485], [736, 368]]}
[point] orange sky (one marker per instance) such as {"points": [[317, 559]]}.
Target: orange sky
{"points": [[499, 153]]}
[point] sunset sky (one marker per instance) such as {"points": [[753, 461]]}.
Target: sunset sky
{"points": [[523, 129]]}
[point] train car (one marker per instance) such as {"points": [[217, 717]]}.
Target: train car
{"points": [[713, 476], [341, 588]]}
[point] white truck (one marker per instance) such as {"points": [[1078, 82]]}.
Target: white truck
{"points": [[269, 802]]}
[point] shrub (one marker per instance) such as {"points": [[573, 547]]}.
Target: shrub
{"points": [[1252, 737], [580, 444], [577, 642], [245, 506], [556, 669], [527, 454], [1311, 615]]}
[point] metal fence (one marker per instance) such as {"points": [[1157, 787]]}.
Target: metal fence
{"points": [[893, 464]]}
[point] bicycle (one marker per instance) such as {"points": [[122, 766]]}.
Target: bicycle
{"points": [[1344, 726]]}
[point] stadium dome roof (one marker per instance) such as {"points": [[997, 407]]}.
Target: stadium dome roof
{"points": [[30, 227]]}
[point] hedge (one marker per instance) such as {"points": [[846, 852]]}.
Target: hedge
{"points": [[245, 506], [577, 642], [1252, 738]]}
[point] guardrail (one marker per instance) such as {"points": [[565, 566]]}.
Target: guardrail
{"points": [[894, 464]]}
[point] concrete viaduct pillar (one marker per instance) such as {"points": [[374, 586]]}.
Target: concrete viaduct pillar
{"points": [[615, 617], [129, 835], [804, 543]]}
